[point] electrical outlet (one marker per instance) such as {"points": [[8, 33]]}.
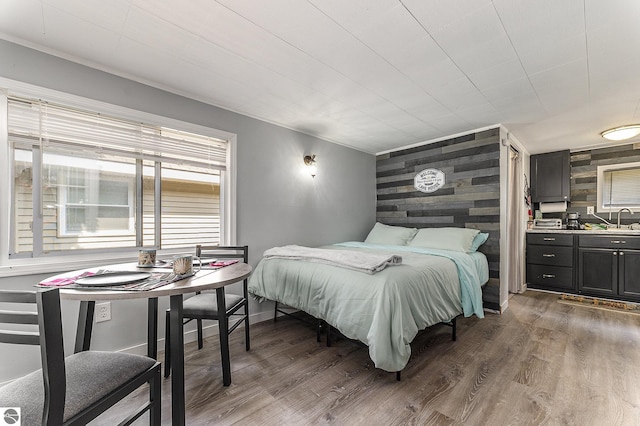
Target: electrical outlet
{"points": [[103, 311], [590, 210]]}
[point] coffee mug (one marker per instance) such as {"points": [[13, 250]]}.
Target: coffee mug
{"points": [[146, 257], [183, 265]]}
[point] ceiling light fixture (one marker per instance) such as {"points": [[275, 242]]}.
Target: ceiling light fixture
{"points": [[621, 133]]}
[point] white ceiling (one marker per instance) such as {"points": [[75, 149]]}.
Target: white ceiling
{"points": [[371, 74]]}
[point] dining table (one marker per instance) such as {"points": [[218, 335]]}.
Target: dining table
{"points": [[205, 279]]}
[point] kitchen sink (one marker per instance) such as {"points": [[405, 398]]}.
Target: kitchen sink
{"points": [[633, 228]]}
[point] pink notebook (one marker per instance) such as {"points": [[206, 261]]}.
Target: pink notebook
{"points": [[59, 282], [221, 263]]}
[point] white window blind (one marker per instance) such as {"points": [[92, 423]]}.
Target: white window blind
{"points": [[621, 188], [72, 130]]}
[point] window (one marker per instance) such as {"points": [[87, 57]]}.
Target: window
{"points": [[618, 187], [94, 203], [83, 181]]}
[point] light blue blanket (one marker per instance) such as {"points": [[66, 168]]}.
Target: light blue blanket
{"points": [[471, 277], [384, 310]]}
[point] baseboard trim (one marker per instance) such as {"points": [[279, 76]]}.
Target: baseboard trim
{"points": [[208, 330]]}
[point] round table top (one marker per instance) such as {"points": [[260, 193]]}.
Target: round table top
{"points": [[205, 279]]}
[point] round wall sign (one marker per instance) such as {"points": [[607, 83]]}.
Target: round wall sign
{"points": [[429, 180]]}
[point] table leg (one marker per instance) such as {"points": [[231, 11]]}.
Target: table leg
{"points": [[152, 328], [85, 325], [223, 325], [177, 360]]}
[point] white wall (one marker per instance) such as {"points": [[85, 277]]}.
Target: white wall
{"points": [[276, 203]]}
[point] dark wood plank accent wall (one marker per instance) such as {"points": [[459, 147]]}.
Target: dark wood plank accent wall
{"points": [[584, 170], [470, 197]]}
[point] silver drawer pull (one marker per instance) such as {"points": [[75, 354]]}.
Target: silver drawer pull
{"points": [[548, 276], [548, 255], [618, 242], [549, 239]]}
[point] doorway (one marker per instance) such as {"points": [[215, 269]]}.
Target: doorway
{"points": [[515, 210]]}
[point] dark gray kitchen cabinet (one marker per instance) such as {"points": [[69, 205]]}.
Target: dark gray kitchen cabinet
{"points": [[609, 266], [551, 177], [550, 260], [598, 271], [629, 267]]}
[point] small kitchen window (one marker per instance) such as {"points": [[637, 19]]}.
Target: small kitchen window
{"points": [[618, 187]]}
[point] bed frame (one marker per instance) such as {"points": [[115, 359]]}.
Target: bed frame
{"points": [[452, 324], [321, 325]]}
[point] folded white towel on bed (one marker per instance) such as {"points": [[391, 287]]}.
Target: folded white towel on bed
{"points": [[358, 260]]}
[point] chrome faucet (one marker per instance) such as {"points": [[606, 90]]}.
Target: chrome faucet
{"points": [[620, 211]]}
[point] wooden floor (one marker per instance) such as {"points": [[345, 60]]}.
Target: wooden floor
{"points": [[540, 363]]}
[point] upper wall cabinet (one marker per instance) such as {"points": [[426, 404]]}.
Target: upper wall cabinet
{"points": [[551, 177]]}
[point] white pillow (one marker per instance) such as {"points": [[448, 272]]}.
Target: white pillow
{"points": [[454, 239], [390, 235]]}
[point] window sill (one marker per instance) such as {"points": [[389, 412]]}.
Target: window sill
{"points": [[49, 266], [24, 267]]}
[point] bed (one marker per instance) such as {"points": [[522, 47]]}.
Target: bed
{"points": [[383, 309]]}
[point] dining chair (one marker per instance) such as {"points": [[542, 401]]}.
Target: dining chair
{"points": [[72, 390], [204, 305]]}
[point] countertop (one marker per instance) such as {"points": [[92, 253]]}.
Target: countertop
{"points": [[585, 232]]}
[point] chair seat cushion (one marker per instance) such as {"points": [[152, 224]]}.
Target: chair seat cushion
{"points": [[91, 375], [205, 305]]}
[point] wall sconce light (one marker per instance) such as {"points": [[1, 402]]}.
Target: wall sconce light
{"points": [[310, 162], [621, 133]]}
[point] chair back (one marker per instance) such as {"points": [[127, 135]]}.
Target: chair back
{"points": [[41, 325], [226, 252]]}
